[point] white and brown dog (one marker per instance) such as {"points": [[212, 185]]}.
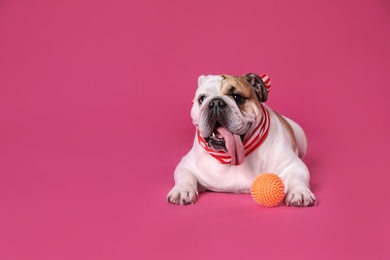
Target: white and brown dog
{"points": [[237, 138]]}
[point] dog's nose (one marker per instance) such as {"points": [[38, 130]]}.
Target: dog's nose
{"points": [[217, 104]]}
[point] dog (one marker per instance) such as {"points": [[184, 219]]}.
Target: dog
{"points": [[237, 138]]}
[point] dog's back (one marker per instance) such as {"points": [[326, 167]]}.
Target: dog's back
{"points": [[297, 135]]}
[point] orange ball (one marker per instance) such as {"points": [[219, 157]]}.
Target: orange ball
{"points": [[267, 190]]}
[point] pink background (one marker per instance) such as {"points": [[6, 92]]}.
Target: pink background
{"points": [[95, 103]]}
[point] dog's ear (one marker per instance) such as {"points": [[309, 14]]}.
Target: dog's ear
{"points": [[258, 85], [202, 79]]}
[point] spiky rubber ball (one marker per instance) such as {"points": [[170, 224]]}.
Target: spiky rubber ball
{"points": [[267, 190]]}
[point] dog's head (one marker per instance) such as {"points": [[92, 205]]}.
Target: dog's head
{"points": [[227, 109]]}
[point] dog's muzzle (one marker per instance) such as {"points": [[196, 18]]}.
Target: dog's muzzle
{"points": [[228, 148]]}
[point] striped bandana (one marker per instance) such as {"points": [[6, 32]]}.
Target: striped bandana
{"points": [[257, 138]]}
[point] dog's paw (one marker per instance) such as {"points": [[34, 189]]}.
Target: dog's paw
{"points": [[300, 197], [182, 195]]}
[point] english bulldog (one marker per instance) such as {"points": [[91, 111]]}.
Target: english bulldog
{"points": [[237, 138]]}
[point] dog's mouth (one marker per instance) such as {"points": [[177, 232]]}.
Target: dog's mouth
{"points": [[217, 140], [223, 140]]}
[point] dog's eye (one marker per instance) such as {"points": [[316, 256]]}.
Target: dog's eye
{"points": [[201, 98], [239, 99]]}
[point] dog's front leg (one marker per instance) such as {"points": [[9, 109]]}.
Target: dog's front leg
{"points": [[296, 179], [185, 190]]}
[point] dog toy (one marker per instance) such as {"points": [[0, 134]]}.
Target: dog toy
{"points": [[267, 190]]}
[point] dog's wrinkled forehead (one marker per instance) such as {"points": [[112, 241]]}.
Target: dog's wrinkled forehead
{"points": [[236, 84], [221, 83], [249, 86], [213, 85]]}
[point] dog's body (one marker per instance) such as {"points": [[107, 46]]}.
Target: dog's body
{"points": [[238, 137]]}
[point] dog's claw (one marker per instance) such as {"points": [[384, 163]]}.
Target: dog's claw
{"points": [[182, 195], [300, 197]]}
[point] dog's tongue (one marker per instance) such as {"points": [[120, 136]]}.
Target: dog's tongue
{"points": [[233, 145]]}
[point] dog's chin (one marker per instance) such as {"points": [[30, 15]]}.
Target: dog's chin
{"points": [[216, 141]]}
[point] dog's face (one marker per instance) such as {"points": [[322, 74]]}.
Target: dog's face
{"points": [[226, 109]]}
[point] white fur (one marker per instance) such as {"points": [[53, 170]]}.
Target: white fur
{"points": [[199, 171]]}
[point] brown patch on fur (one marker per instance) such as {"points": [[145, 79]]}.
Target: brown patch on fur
{"points": [[238, 85], [289, 129]]}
